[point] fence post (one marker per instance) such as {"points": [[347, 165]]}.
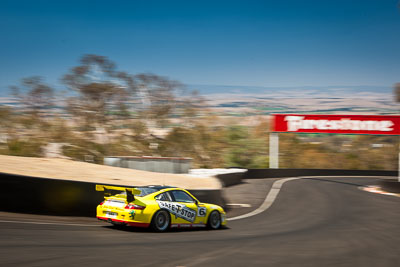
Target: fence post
{"points": [[273, 150]]}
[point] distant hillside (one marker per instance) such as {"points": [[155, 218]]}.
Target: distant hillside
{"points": [[208, 89], [334, 90], [253, 100]]}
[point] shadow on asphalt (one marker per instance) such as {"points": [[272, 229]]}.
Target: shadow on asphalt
{"points": [[149, 230]]}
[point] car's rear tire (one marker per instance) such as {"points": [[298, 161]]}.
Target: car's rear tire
{"points": [[161, 221], [214, 220]]}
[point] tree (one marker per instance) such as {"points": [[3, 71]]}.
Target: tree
{"points": [[179, 143], [245, 149], [190, 106], [100, 88], [5, 116], [158, 96], [34, 95]]}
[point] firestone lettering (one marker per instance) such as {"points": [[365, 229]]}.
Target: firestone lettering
{"points": [[296, 123]]}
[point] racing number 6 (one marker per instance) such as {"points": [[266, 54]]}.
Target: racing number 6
{"points": [[202, 212]]}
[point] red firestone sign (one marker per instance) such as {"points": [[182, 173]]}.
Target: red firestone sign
{"points": [[340, 124]]}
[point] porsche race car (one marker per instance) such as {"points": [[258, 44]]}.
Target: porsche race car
{"points": [[158, 207]]}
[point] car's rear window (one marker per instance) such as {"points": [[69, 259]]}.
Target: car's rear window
{"points": [[144, 191]]}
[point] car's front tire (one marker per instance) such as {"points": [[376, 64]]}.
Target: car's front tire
{"points": [[161, 221], [214, 220]]}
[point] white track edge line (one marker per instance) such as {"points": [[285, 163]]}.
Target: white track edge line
{"points": [[273, 193]]}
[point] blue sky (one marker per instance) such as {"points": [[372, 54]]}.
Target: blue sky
{"points": [[255, 43]]}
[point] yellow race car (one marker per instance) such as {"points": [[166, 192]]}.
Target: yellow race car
{"points": [[158, 207]]}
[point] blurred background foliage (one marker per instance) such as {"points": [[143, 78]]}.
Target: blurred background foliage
{"points": [[106, 112]]}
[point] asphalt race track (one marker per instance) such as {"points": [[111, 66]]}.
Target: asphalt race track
{"points": [[313, 222]]}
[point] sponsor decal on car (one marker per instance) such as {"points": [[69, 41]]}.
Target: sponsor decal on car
{"points": [[179, 210], [110, 214], [132, 214]]}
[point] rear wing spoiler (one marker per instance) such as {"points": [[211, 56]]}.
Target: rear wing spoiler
{"points": [[130, 192]]}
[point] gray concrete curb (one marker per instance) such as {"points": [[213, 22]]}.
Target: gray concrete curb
{"points": [[286, 173], [230, 179], [391, 186]]}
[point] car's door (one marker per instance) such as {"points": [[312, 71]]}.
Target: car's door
{"points": [[165, 201], [188, 212]]}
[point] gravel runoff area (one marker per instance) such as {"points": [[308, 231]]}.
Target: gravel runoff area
{"points": [[87, 172]]}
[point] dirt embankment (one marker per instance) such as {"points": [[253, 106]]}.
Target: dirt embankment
{"points": [[81, 171]]}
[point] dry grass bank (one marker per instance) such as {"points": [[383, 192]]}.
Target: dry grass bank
{"points": [[81, 171]]}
